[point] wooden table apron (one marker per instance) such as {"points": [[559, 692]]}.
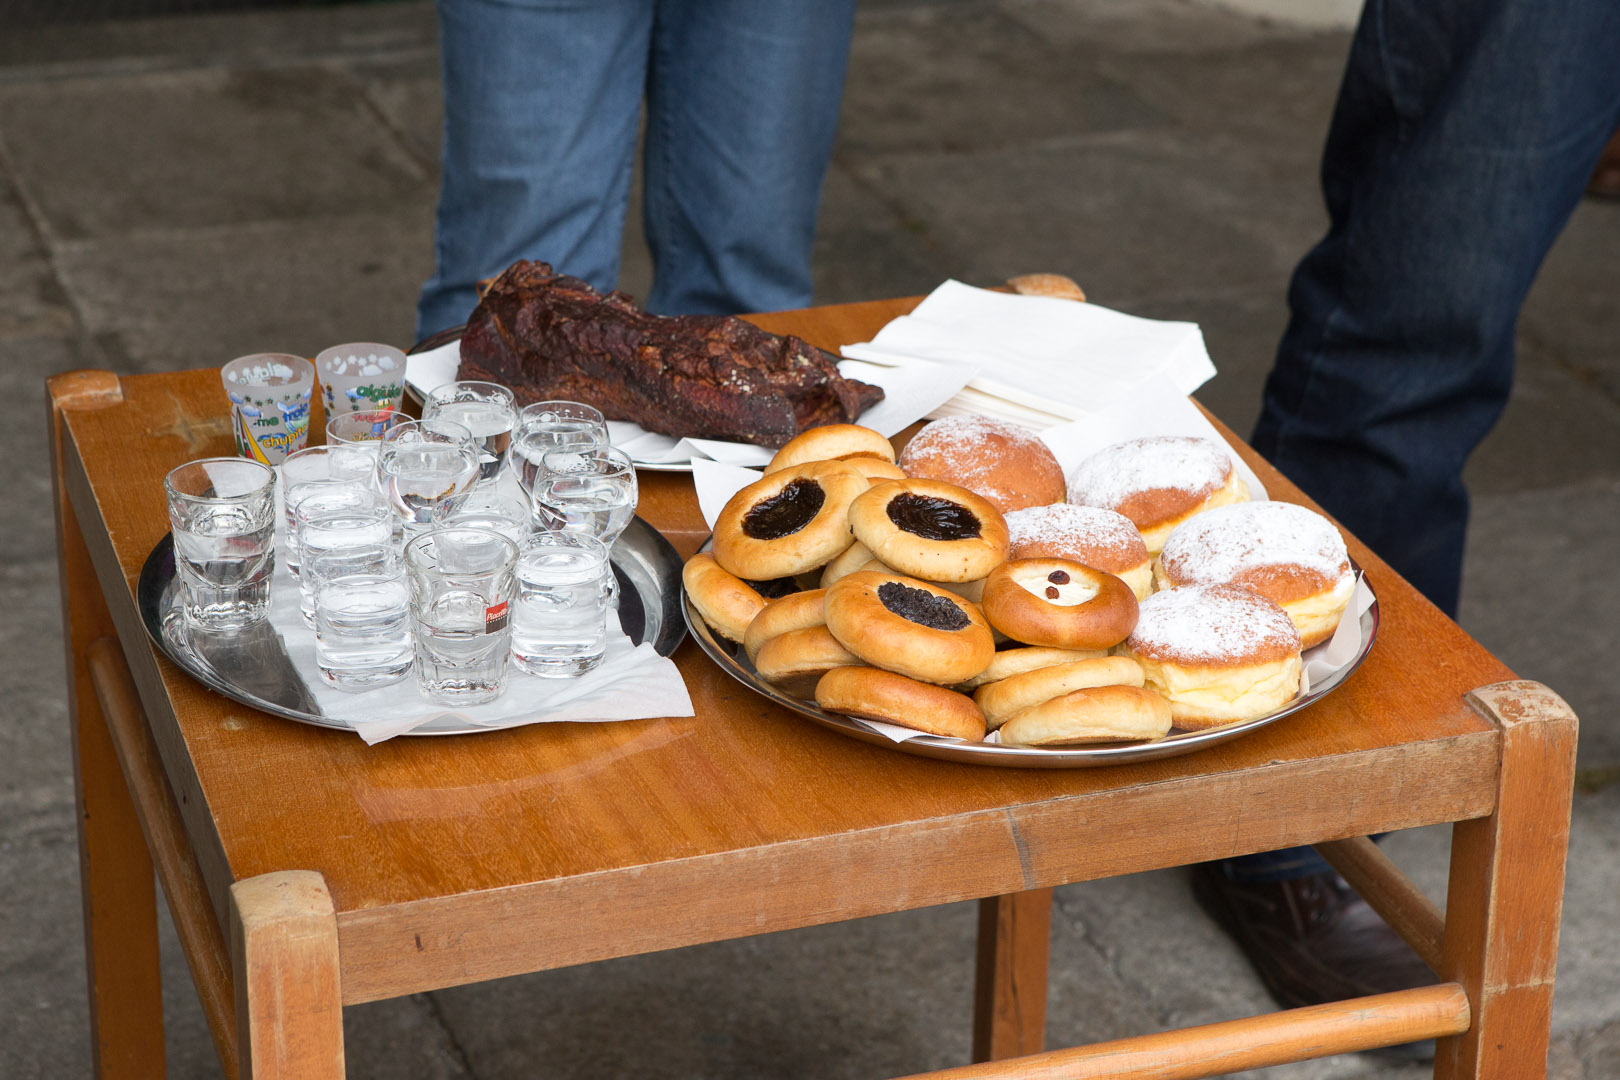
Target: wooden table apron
{"points": [[457, 859]]}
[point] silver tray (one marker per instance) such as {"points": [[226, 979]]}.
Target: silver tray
{"points": [[734, 661], [252, 666]]}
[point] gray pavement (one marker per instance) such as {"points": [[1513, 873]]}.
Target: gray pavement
{"points": [[177, 191]]}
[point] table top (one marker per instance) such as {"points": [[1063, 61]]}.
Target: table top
{"points": [[465, 857]]}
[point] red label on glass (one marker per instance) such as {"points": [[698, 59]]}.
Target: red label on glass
{"points": [[495, 618]]}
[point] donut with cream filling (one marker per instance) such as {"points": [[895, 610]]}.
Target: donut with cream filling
{"points": [[1158, 482], [1089, 535]]}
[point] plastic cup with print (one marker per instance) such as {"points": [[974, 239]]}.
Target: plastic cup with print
{"points": [[222, 511], [361, 376], [270, 396]]}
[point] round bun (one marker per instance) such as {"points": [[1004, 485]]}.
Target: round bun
{"points": [[930, 529], [1099, 714], [727, 603], [1218, 653], [1001, 701], [1009, 662], [795, 611], [853, 558], [1158, 482], [872, 694], [791, 521], [1089, 535], [794, 661], [909, 626], [1059, 603], [1058, 285], [1007, 463], [874, 470], [832, 442], [1287, 553]]}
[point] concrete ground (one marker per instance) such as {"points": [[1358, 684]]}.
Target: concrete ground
{"points": [[175, 192]]}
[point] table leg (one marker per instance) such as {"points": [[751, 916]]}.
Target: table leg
{"points": [[1506, 893], [115, 870], [1009, 1010], [289, 1005]]}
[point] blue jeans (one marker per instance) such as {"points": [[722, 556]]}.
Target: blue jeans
{"points": [[1463, 137], [542, 103]]}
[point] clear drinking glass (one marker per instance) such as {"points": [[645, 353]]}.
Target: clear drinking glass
{"points": [[462, 583], [559, 619], [346, 529], [426, 468], [591, 492], [357, 436], [553, 425], [493, 508], [362, 625], [485, 409], [223, 512], [317, 465]]}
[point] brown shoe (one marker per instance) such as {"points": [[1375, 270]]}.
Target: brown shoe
{"points": [[1313, 940]]}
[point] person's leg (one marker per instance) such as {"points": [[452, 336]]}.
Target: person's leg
{"points": [[1461, 141], [542, 99], [742, 108]]}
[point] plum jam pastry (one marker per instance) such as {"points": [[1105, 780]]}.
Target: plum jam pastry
{"points": [[930, 529], [788, 522]]}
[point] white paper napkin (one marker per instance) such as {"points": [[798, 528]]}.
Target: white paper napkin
{"points": [[910, 393], [1041, 359]]}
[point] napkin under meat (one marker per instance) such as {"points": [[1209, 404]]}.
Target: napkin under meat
{"points": [[550, 336]]}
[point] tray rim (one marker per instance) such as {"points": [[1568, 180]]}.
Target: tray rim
{"points": [[154, 578], [1025, 757]]}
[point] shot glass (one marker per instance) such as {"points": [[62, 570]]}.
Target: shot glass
{"points": [[492, 508], [553, 425], [559, 620], [425, 469], [269, 395], [344, 529], [462, 585], [222, 511], [361, 376], [486, 410], [362, 623], [318, 465], [357, 436], [591, 493]]}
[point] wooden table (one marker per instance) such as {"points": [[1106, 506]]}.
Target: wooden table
{"points": [[307, 871]]}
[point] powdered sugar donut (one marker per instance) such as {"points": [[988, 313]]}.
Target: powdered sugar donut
{"points": [[1287, 553], [1101, 539], [1158, 482], [1006, 463], [1218, 653]]}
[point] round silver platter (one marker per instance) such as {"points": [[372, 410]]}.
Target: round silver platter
{"points": [[735, 663], [252, 666]]}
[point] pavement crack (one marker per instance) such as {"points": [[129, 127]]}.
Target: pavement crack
{"points": [[456, 1052]]}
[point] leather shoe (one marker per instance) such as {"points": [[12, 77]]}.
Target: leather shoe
{"points": [[1314, 940]]}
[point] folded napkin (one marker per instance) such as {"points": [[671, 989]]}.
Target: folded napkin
{"points": [[1040, 360]]}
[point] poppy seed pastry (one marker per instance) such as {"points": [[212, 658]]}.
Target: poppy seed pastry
{"points": [[1287, 553], [930, 529], [1090, 535], [1218, 653], [874, 694], [1007, 463], [1158, 482], [789, 522], [909, 626]]}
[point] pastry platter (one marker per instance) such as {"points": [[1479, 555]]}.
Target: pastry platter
{"points": [[253, 667], [734, 662]]}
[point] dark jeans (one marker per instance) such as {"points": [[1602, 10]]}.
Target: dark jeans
{"points": [[1463, 137]]}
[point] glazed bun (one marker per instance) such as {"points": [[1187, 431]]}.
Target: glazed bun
{"points": [[930, 529], [727, 603], [1098, 714], [1101, 539], [789, 522], [1158, 482], [793, 662], [1287, 553], [1006, 463], [795, 611], [1218, 653], [872, 694], [1009, 662], [832, 442], [1058, 603], [909, 626], [1001, 701]]}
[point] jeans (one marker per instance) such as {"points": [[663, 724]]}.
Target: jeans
{"points": [[542, 103], [1463, 137]]}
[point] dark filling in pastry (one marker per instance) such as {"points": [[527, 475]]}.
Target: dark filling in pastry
{"points": [[922, 607], [933, 519], [784, 513], [776, 588]]}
